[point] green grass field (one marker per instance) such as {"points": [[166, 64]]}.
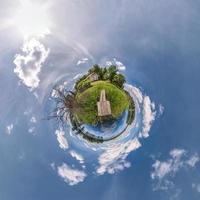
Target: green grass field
{"points": [[87, 101]]}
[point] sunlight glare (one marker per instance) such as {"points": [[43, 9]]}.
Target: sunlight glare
{"points": [[32, 19]]}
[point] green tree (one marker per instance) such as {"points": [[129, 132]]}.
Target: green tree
{"points": [[103, 72], [118, 80], [95, 69], [78, 82], [83, 85], [112, 71]]}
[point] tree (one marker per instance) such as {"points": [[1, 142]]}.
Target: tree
{"points": [[79, 81], [112, 71], [65, 104], [103, 73], [95, 69], [119, 80]]}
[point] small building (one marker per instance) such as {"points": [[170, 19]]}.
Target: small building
{"points": [[103, 105], [93, 77]]}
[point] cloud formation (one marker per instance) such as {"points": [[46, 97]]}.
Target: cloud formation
{"points": [[148, 116], [161, 109], [33, 120], [147, 107], [28, 65], [113, 159], [164, 170], [31, 130], [120, 66], [82, 61], [77, 156], [69, 175], [135, 92], [77, 76], [63, 144], [9, 129], [193, 160]]}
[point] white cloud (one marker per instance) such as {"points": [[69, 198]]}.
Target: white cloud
{"points": [[31, 129], [53, 166], [71, 176], [77, 156], [118, 64], [9, 129], [33, 120], [177, 153], [54, 94], [82, 61], [161, 169], [135, 93], [161, 109], [149, 114], [113, 159], [28, 111], [28, 66], [164, 170], [77, 76], [63, 144], [147, 107], [193, 160]]}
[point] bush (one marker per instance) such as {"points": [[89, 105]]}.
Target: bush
{"points": [[83, 85], [79, 81]]}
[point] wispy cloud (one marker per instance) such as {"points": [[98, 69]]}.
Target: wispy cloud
{"points": [[135, 92], [82, 61], [147, 107], [33, 120], [113, 159], [31, 130], [148, 116], [196, 187], [77, 76], [117, 63], [29, 64], [77, 156], [161, 109], [164, 170], [63, 144], [9, 129], [193, 160], [71, 176]]}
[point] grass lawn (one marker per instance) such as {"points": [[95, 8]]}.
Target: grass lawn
{"points": [[87, 101]]}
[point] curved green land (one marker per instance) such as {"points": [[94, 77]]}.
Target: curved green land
{"points": [[87, 101]]}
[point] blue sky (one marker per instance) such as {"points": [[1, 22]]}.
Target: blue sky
{"points": [[155, 44]]}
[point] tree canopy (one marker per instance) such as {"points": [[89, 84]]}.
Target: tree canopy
{"points": [[111, 73]]}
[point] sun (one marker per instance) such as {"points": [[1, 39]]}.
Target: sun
{"points": [[32, 19]]}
